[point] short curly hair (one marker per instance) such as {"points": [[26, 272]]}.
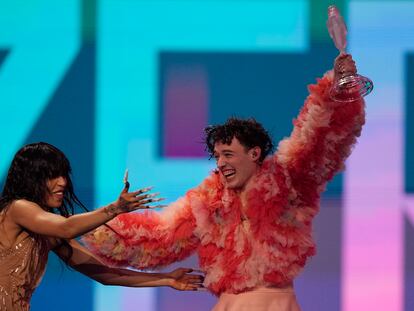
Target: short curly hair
{"points": [[249, 132]]}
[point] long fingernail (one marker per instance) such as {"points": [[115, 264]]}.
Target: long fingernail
{"points": [[153, 195], [157, 199], [126, 176], [157, 206], [146, 189]]}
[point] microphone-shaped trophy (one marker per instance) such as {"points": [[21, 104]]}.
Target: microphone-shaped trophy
{"points": [[348, 86]]}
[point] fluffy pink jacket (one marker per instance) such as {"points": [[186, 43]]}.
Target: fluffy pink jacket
{"points": [[272, 247]]}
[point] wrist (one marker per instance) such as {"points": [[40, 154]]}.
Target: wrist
{"points": [[165, 279], [168, 281], [111, 210]]}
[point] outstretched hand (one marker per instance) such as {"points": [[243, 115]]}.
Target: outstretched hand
{"points": [[131, 201], [182, 279]]}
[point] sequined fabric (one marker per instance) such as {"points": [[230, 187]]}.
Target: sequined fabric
{"points": [[21, 269]]}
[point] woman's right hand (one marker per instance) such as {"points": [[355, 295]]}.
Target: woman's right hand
{"points": [[131, 201]]}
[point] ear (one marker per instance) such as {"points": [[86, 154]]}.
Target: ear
{"points": [[255, 153]]}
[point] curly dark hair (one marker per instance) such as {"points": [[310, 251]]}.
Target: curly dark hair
{"points": [[29, 171], [249, 132]]}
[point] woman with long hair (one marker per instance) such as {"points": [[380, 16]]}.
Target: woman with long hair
{"points": [[37, 216]]}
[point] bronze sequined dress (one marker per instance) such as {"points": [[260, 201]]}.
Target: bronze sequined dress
{"points": [[21, 269]]}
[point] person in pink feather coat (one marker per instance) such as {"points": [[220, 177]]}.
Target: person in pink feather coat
{"points": [[250, 220]]}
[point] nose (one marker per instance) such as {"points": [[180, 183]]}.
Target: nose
{"points": [[220, 162], [61, 181]]}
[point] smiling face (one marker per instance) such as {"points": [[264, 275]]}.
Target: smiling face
{"points": [[236, 163], [55, 191]]}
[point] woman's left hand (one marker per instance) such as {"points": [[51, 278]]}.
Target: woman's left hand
{"points": [[182, 279]]}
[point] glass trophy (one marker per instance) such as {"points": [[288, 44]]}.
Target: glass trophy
{"points": [[348, 86]]}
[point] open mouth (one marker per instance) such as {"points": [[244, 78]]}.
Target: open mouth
{"points": [[59, 193], [228, 174]]}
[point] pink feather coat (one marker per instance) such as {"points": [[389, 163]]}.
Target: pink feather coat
{"points": [[273, 245]]}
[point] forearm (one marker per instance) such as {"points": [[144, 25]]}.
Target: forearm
{"points": [[86, 263], [126, 202], [79, 224], [129, 278]]}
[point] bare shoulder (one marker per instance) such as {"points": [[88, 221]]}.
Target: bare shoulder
{"points": [[24, 212], [10, 231], [28, 210], [23, 205]]}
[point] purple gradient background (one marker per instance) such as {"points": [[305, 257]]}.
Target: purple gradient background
{"points": [[185, 98]]}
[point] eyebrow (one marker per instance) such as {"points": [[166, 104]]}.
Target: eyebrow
{"points": [[225, 150]]}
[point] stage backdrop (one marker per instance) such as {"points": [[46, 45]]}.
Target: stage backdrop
{"points": [[131, 84]]}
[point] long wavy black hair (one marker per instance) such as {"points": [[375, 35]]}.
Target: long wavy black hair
{"points": [[31, 168]]}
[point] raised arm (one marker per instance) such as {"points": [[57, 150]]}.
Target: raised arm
{"points": [[323, 136], [31, 216], [88, 264], [150, 239]]}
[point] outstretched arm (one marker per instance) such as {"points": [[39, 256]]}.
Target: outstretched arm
{"points": [[150, 239], [85, 262], [31, 216], [323, 136]]}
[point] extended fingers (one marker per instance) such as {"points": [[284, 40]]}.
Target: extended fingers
{"points": [[140, 191], [189, 286], [140, 205], [194, 277], [147, 196], [151, 200], [138, 196], [194, 286]]}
